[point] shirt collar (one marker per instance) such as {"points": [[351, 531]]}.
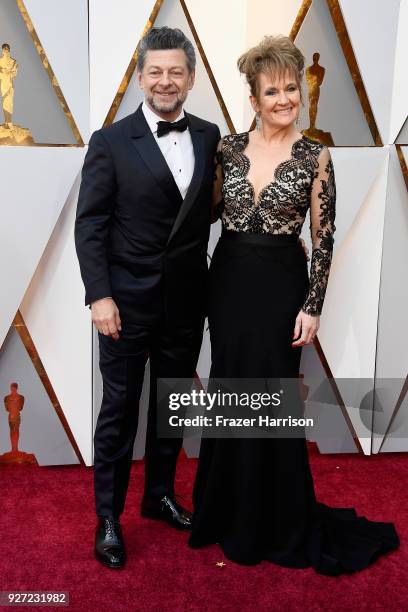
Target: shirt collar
{"points": [[153, 119]]}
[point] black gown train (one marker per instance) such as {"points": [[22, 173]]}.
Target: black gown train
{"points": [[255, 497]]}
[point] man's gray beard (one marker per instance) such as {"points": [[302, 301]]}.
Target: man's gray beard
{"points": [[164, 108]]}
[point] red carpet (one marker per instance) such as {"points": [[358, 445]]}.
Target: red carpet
{"points": [[47, 518]]}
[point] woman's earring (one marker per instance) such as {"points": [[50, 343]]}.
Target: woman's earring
{"points": [[258, 121]]}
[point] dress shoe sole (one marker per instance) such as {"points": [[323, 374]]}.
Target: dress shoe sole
{"points": [[107, 564], [157, 516]]}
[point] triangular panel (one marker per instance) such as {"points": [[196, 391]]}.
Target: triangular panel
{"points": [[269, 18], [353, 289], [38, 183], [202, 99], [349, 347], [396, 437], [392, 359], [39, 113], [50, 20], [224, 38], [399, 111], [332, 105], [402, 137], [332, 431], [41, 434], [56, 294], [373, 27], [115, 30]]}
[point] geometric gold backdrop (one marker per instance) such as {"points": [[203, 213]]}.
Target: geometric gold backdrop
{"points": [[358, 90]]}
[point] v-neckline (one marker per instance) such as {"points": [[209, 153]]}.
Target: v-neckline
{"points": [[274, 178]]}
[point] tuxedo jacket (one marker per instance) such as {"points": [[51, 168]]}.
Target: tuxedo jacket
{"points": [[136, 238]]}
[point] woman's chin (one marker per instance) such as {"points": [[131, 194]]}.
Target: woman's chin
{"points": [[283, 122]]}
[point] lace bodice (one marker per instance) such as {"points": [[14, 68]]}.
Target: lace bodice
{"points": [[302, 182]]}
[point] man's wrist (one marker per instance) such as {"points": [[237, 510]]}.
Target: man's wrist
{"points": [[99, 299]]}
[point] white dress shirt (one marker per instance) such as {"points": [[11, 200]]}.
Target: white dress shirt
{"points": [[177, 149]]}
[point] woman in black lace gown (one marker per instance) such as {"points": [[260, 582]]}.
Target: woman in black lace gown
{"points": [[255, 497]]}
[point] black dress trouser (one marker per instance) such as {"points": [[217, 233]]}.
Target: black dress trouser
{"points": [[173, 353]]}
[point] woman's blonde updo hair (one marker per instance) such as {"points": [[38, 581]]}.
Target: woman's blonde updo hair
{"points": [[274, 55]]}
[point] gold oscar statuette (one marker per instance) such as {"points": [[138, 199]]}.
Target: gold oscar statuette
{"points": [[10, 133], [314, 78], [14, 403]]}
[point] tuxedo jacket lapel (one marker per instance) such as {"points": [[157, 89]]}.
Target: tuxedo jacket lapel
{"points": [[152, 156], [197, 137]]}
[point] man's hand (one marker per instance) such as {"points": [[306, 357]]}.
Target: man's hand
{"points": [[105, 317], [306, 250]]}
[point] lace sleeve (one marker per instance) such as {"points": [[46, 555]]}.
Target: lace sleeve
{"points": [[322, 228], [217, 201]]}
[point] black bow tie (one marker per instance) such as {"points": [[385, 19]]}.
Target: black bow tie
{"points": [[164, 127]]}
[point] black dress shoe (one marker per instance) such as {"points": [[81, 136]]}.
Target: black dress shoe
{"points": [[170, 511], [109, 545]]}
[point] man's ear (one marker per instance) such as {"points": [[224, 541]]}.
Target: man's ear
{"points": [[192, 79], [139, 79]]}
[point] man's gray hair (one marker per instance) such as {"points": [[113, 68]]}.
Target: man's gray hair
{"points": [[162, 39]]}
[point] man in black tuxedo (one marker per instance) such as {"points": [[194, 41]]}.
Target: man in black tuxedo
{"points": [[141, 234]]}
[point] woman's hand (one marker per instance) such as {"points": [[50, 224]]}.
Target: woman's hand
{"points": [[306, 325]]}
